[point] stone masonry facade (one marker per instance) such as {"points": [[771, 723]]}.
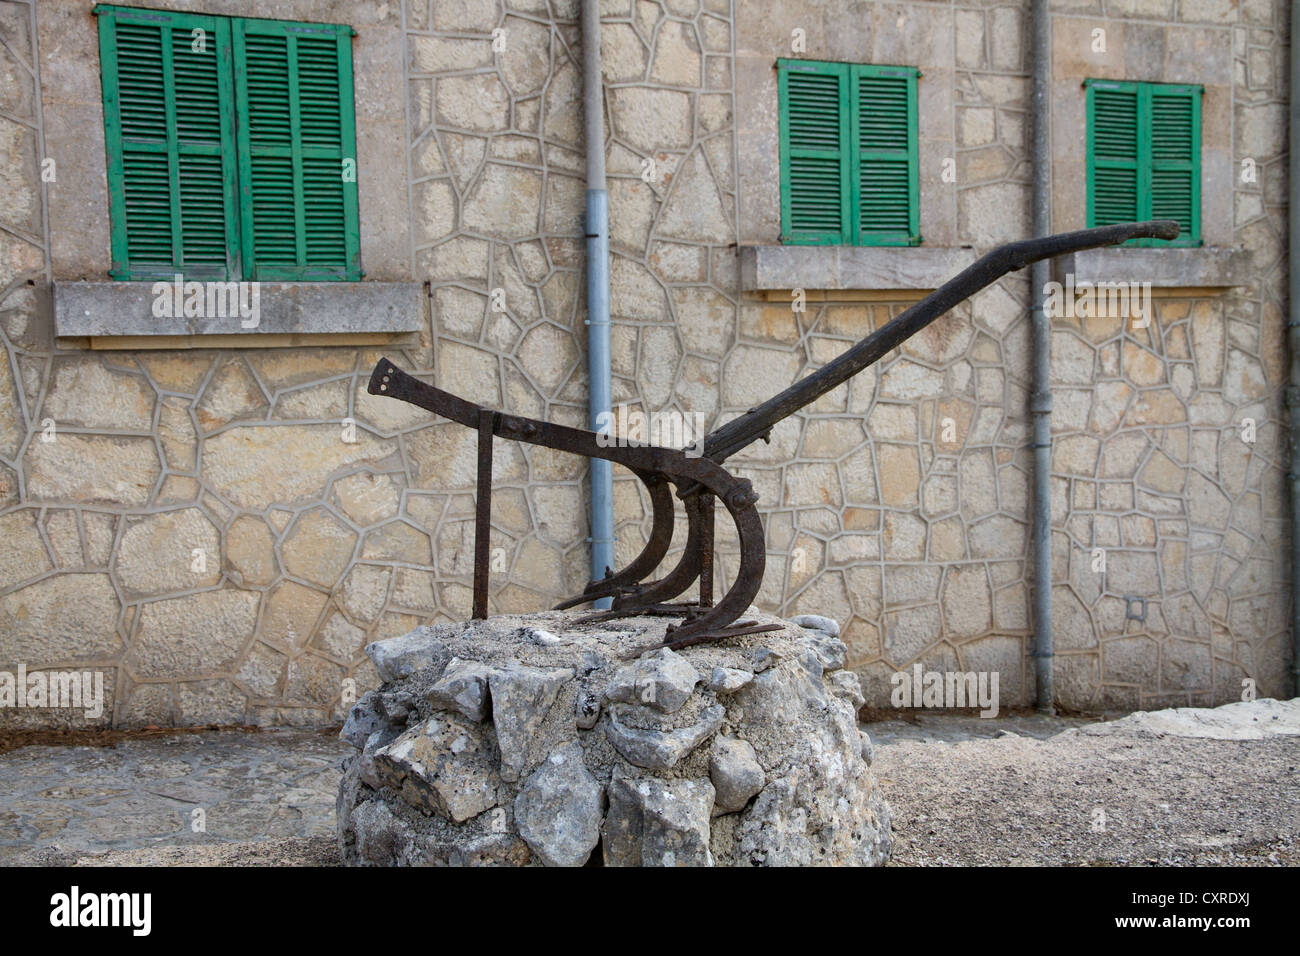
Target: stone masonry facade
{"points": [[221, 531]]}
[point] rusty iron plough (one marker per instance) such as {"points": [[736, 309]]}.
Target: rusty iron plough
{"points": [[699, 478]]}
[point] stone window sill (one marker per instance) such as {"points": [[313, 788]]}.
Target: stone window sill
{"points": [[1194, 267], [869, 268], [121, 315]]}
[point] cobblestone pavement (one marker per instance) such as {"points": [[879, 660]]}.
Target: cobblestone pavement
{"points": [[1016, 790], [58, 804]]}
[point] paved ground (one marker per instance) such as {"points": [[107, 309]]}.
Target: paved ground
{"points": [[1181, 787], [138, 797]]}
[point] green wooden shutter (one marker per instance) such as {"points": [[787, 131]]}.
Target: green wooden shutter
{"points": [[848, 154], [1175, 190], [297, 139], [1112, 153], [884, 156], [168, 121], [816, 186], [1144, 156]]}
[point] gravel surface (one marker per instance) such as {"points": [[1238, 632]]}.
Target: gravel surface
{"points": [[1149, 789], [1182, 787]]}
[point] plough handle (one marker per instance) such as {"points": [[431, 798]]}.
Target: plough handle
{"points": [[736, 434]]}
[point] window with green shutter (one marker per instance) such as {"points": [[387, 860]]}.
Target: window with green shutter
{"points": [[1144, 156], [848, 154], [231, 147]]}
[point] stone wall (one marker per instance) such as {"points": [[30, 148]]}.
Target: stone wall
{"points": [[916, 536], [1170, 442], [201, 528], [913, 536]]}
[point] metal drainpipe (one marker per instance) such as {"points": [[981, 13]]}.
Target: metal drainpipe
{"points": [[1293, 340], [1040, 402], [600, 389]]}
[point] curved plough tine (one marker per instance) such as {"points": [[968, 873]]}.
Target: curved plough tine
{"points": [[739, 502], [677, 580], [661, 538]]}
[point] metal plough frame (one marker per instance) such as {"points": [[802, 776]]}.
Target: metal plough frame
{"points": [[700, 479]]}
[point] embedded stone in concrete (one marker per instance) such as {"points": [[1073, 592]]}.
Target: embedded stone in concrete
{"points": [[868, 749], [545, 638], [724, 680], [586, 709], [443, 766], [400, 657], [831, 651], [654, 822], [816, 622], [521, 698], [663, 681], [463, 687], [365, 718], [761, 659], [655, 748], [735, 773], [848, 685], [558, 810]]}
